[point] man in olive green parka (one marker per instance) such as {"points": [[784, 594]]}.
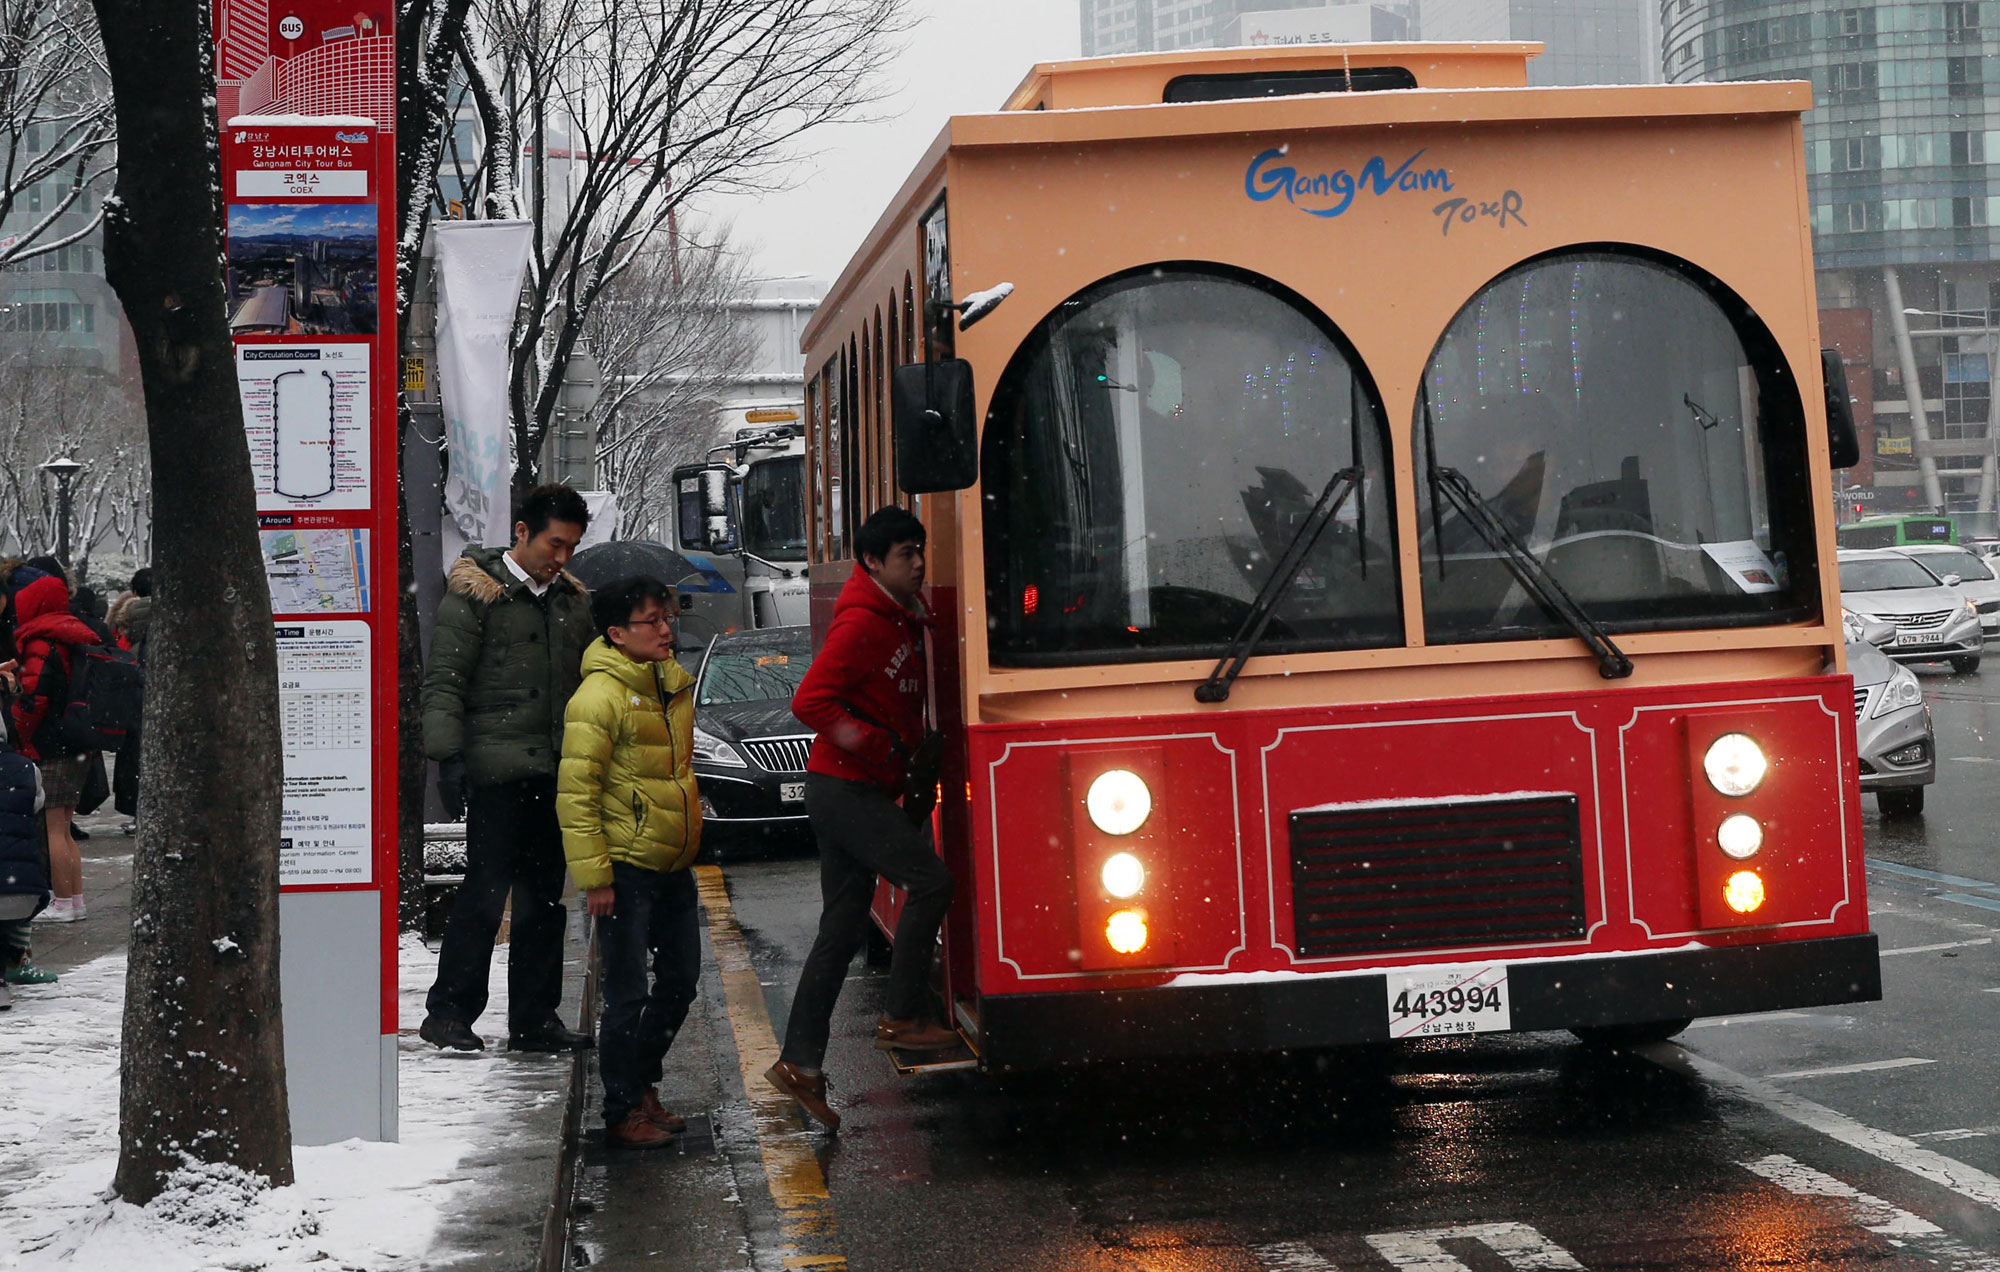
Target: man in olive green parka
{"points": [[506, 654]]}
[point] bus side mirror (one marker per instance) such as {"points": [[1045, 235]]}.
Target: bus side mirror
{"points": [[707, 522], [1842, 442], [937, 436]]}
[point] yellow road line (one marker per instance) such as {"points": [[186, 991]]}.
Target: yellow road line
{"points": [[798, 1186]]}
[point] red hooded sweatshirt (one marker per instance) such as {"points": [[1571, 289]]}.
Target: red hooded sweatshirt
{"points": [[865, 691], [43, 629]]}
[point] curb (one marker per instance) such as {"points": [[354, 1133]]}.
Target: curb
{"points": [[553, 1254]]}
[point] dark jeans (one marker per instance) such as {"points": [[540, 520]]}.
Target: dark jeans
{"points": [[862, 833], [652, 914], [511, 842]]}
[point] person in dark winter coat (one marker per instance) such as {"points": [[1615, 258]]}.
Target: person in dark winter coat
{"points": [[865, 697], [46, 636], [133, 621], [24, 876], [506, 654], [24, 871]]}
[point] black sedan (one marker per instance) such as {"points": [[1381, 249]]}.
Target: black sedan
{"points": [[749, 749]]}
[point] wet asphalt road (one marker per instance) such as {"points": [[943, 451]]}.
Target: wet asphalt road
{"points": [[1854, 1137]]}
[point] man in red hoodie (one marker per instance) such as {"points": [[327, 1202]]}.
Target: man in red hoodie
{"points": [[865, 697]]}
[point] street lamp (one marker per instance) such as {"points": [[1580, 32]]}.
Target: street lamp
{"points": [[64, 470]]}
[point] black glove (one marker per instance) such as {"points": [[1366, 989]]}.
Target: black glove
{"points": [[451, 788]]}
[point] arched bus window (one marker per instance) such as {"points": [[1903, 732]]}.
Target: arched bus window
{"points": [[854, 496], [885, 452], [816, 479], [1634, 426], [895, 345], [1153, 448], [836, 448]]}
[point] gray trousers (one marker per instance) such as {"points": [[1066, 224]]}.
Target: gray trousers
{"points": [[862, 833]]}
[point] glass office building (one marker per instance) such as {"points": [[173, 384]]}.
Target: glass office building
{"points": [[1905, 218]]}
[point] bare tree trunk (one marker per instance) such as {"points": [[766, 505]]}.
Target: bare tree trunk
{"points": [[203, 1072], [412, 768], [427, 36]]}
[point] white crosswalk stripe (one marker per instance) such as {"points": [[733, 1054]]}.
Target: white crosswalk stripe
{"points": [[1878, 1216], [1423, 1251], [1290, 1256]]}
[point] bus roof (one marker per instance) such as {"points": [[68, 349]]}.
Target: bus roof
{"points": [[1142, 79], [1039, 124]]}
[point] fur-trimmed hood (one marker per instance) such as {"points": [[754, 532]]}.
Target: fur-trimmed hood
{"points": [[479, 574]]}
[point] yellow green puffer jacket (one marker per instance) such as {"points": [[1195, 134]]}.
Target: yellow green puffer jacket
{"points": [[625, 790]]}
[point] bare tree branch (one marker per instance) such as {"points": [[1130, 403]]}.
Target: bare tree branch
{"points": [[627, 113], [56, 124]]}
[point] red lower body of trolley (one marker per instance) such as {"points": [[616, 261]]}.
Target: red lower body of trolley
{"points": [[1297, 869]]}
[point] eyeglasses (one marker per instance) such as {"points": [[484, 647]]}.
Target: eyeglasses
{"points": [[662, 623]]}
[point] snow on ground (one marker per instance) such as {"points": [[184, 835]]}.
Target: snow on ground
{"points": [[355, 1205]]}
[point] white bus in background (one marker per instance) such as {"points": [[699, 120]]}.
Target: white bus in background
{"points": [[741, 515]]}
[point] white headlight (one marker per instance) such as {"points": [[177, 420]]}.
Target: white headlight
{"points": [[1123, 875], [1118, 802], [1735, 764], [1899, 692], [714, 750], [1739, 836]]}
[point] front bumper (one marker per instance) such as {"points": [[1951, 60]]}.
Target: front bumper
{"points": [[1877, 739], [1955, 639], [748, 797], [1038, 1031]]}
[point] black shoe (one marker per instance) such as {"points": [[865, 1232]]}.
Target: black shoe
{"points": [[550, 1037], [455, 1034], [76, 831]]}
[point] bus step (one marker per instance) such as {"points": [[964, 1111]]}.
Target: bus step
{"points": [[913, 1062]]}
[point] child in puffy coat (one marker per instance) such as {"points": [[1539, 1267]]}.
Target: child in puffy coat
{"points": [[631, 826]]}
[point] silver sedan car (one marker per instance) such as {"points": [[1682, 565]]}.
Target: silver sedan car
{"points": [[1933, 622], [1892, 724], [1973, 574]]}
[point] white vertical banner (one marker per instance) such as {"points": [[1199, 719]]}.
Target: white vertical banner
{"points": [[480, 268], [603, 528]]}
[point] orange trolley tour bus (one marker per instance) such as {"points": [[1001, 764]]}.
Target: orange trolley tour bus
{"points": [[1383, 579]]}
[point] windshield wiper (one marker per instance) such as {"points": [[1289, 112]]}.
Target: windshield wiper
{"points": [[1343, 484], [1528, 570]]}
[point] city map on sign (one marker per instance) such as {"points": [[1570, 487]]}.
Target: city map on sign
{"points": [[316, 571]]}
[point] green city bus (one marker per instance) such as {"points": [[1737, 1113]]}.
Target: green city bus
{"points": [[1894, 532]]}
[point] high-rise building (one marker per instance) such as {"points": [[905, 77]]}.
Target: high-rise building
{"points": [[1586, 41], [1905, 217], [1145, 26]]}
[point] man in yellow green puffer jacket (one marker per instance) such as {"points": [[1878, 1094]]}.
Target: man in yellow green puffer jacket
{"points": [[631, 825]]}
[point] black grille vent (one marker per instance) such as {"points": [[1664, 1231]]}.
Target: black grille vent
{"points": [[1437, 875]]}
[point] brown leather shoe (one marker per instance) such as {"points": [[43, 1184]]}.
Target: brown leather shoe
{"points": [[810, 1092], [636, 1131], [913, 1035], [657, 1113]]}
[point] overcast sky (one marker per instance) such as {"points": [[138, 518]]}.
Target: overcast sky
{"points": [[964, 57]]}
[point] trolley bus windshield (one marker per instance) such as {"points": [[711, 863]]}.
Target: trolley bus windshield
{"points": [[1154, 448], [774, 511], [1643, 444]]}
